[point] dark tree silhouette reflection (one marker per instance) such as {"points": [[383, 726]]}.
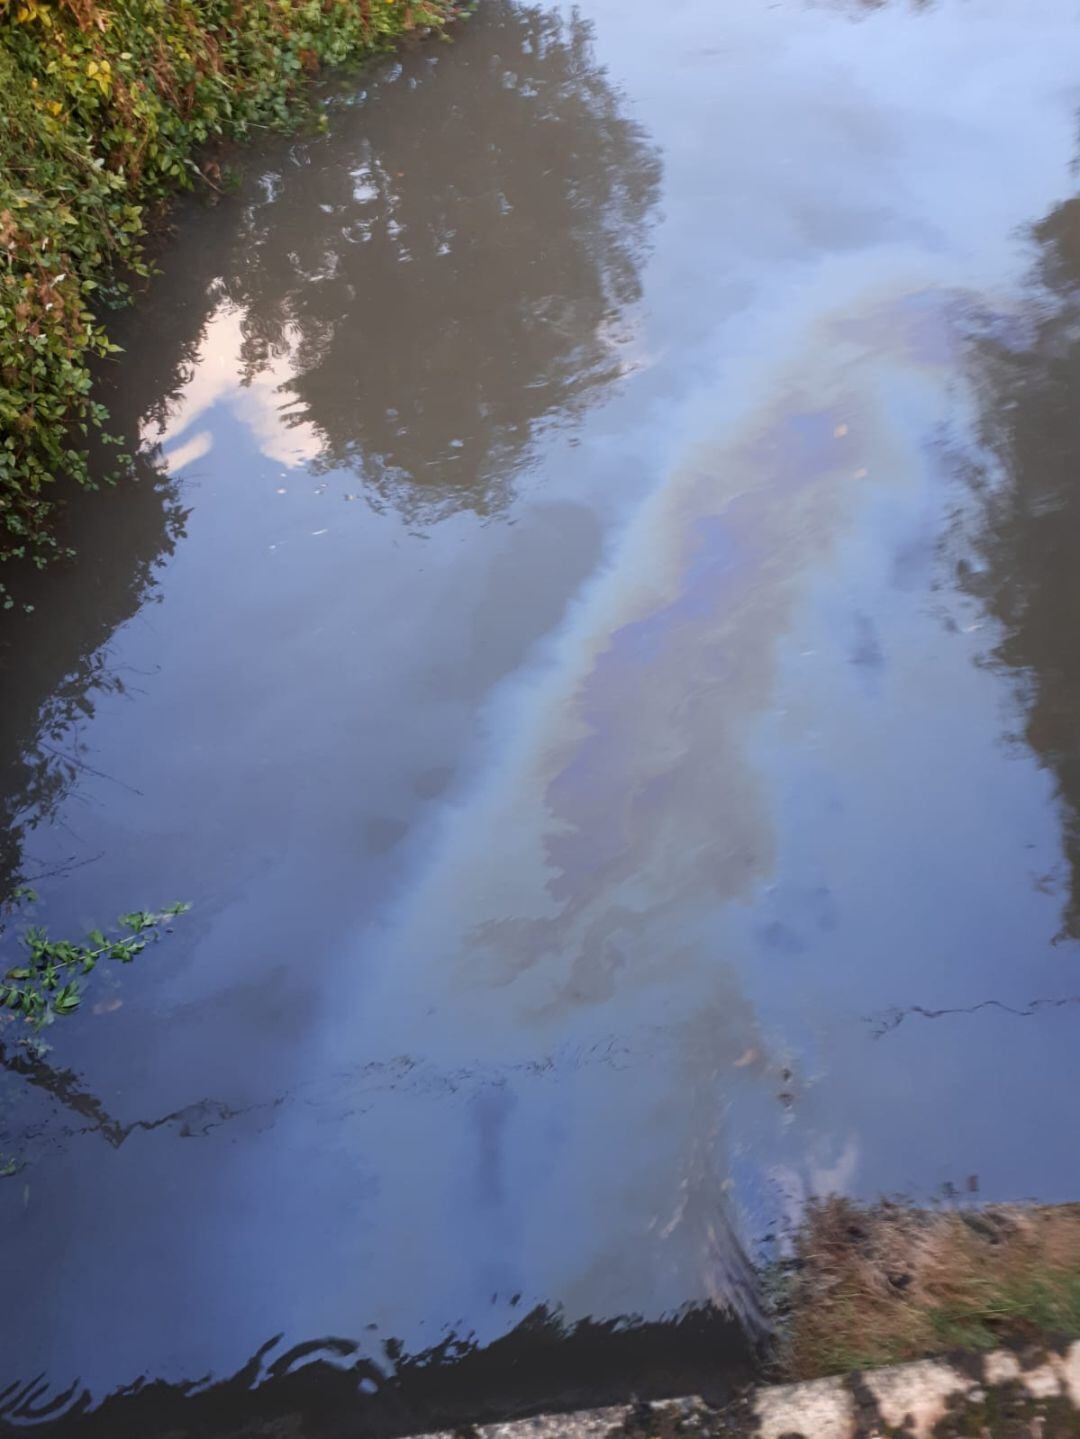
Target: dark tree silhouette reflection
{"points": [[54, 659], [448, 281], [1027, 572], [55, 663]]}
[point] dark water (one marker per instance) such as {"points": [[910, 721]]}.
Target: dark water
{"points": [[595, 638]]}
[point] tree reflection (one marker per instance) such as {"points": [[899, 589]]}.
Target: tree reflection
{"points": [[54, 662], [1027, 573], [447, 273], [54, 659]]}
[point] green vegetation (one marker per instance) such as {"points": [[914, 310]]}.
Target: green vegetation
{"points": [[881, 1285], [105, 109], [45, 984]]}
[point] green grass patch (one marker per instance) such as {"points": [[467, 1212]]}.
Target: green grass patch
{"points": [[890, 1283], [1040, 1303]]}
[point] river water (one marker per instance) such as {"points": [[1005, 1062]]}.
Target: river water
{"points": [[594, 637]]}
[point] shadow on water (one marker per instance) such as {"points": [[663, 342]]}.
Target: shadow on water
{"points": [[1022, 563], [326, 1389]]}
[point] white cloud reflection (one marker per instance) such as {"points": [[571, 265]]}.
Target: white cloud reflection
{"points": [[259, 403]]}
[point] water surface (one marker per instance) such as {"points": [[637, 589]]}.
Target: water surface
{"points": [[594, 638]]}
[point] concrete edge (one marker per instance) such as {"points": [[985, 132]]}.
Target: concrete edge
{"points": [[912, 1397]]}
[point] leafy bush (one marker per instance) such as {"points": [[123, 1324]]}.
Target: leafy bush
{"points": [[104, 108]]}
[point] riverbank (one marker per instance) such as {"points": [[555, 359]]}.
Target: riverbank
{"points": [[107, 110], [980, 1305], [891, 1283]]}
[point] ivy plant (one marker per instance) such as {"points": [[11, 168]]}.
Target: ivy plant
{"points": [[46, 982]]}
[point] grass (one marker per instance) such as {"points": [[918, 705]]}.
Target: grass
{"points": [[889, 1283]]}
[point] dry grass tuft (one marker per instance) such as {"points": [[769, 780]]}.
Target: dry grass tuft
{"points": [[891, 1283]]}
